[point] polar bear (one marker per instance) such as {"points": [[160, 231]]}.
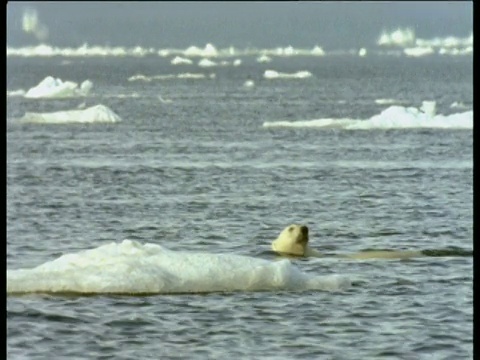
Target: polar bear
{"points": [[293, 240]]}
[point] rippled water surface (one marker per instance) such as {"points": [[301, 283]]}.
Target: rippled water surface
{"points": [[200, 173]]}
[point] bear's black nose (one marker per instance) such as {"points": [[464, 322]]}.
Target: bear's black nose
{"points": [[304, 230]]}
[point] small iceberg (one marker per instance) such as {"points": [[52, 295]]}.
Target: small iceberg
{"points": [[51, 87], [94, 114], [133, 268], [178, 60], [272, 74], [394, 117]]}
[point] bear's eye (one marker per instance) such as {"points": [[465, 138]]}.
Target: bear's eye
{"points": [[290, 228]]}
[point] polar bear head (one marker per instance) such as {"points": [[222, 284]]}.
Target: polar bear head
{"points": [[293, 240]]}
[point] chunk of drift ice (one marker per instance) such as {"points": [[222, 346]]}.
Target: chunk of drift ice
{"points": [[56, 88], [130, 267], [94, 114]]}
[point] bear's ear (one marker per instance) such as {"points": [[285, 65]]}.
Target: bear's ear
{"points": [[290, 228]]}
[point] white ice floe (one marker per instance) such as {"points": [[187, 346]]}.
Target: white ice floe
{"points": [[132, 268], [206, 63], [418, 51], [178, 60], [362, 52], [272, 74], [249, 83], [94, 114], [264, 59], [51, 87], [394, 117]]}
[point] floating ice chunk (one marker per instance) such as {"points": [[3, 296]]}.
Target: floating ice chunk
{"points": [[399, 37], [177, 60], [394, 117], [429, 108], [387, 101], [237, 62], [165, 101], [31, 24], [94, 114], [459, 105], [133, 268], [19, 92], [56, 88], [140, 77], [418, 51], [191, 76], [208, 51], [272, 74], [264, 59], [206, 63], [362, 52], [318, 51], [249, 83], [85, 87]]}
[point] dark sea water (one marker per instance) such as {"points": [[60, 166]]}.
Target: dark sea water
{"points": [[201, 173]]}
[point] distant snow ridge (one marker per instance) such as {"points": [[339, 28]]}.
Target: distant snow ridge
{"points": [[95, 114], [272, 74], [51, 87], [394, 117]]}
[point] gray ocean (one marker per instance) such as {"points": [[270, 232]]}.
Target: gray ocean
{"points": [[193, 167]]}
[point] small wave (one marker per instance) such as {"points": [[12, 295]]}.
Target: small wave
{"points": [[94, 114], [394, 117], [130, 267]]}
